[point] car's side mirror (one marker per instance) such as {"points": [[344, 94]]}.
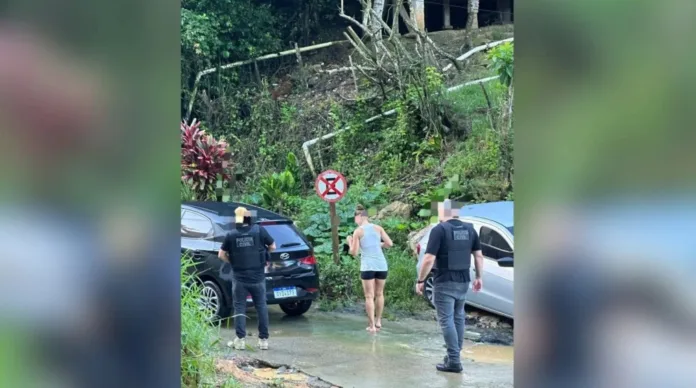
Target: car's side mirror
{"points": [[506, 262]]}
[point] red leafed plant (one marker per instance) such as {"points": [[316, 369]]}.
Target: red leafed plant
{"points": [[204, 160]]}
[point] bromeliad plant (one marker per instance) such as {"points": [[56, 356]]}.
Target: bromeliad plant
{"points": [[204, 160]]}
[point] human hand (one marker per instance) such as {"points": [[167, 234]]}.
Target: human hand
{"points": [[419, 288], [478, 284]]}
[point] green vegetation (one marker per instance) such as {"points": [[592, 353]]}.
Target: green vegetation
{"points": [[197, 337], [434, 145]]}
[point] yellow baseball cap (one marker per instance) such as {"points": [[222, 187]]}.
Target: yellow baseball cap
{"points": [[239, 214]]}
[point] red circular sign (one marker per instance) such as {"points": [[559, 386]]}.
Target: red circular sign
{"points": [[331, 186]]}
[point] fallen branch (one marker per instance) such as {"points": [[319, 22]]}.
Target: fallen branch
{"points": [[397, 6], [478, 81], [344, 69], [249, 61], [477, 49], [425, 36], [308, 143], [352, 20], [404, 14], [352, 70], [396, 41]]}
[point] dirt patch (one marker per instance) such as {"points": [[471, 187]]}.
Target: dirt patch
{"points": [[251, 372], [326, 81]]}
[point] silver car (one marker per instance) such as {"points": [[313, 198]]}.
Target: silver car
{"points": [[494, 224]]}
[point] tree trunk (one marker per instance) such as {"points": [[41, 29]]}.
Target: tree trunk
{"points": [[376, 25], [418, 13], [367, 6], [505, 8], [472, 22], [406, 17], [446, 25]]}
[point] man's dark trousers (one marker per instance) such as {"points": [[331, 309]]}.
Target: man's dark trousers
{"points": [[258, 295], [449, 302]]}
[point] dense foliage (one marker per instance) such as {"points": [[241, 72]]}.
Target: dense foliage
{"points": [[218, 32], [197, 336], [502, 62], [433, 145]]}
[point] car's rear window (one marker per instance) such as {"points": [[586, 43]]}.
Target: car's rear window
{"points": [[284, 235]]}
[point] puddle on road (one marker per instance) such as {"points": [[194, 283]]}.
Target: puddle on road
{"points": [[347, 333], [492, 354], [335, 346]]}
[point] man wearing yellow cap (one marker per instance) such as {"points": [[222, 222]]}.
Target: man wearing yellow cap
{"points": [[245, 249]]}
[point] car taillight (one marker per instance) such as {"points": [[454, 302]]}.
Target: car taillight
{"points": [[418, 249], [310, 260]]}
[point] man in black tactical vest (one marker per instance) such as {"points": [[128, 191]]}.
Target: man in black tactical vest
{"points": [[247, 249], [450, 246]]}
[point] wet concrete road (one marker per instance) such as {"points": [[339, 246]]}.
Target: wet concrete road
{"points": [[337, 348]]}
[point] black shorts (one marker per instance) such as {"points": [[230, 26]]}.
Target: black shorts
{"points": [[369, 275]]}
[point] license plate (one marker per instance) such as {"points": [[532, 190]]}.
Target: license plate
{"points": [[285, 292]]}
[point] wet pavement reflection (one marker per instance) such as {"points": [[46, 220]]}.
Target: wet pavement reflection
{"points": [[337, 348]]}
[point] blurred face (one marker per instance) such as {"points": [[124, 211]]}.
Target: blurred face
{"points": [[441, 216]]}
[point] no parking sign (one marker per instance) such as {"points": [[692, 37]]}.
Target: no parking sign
{"points": [[331, 186]]}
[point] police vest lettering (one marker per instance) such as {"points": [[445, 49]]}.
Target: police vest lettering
{"points": [[458, 240], [247, 250]]}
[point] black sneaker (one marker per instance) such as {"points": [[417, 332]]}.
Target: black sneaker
{"points": [[450, 368]]}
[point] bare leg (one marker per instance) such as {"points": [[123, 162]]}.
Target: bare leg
{"points": [[369, 290], [379, 301]]}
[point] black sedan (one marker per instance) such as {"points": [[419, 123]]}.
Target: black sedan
{"points": [[292, 281]]}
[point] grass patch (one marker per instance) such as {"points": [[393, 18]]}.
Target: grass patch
{"points": [[198, 337], [231, 383], [470, 100]]}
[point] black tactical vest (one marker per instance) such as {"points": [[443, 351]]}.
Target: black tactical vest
{"points": [[246, 250], [458, 239]]}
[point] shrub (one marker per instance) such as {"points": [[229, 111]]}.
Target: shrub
{"points": [[279, 190], [197, 336], [187, 194], [340, 283], [275, 190], [502, 58], [204, 160], [399, 291], [398, 229]]}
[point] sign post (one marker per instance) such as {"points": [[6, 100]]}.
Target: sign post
{"points": [[331, 186]]}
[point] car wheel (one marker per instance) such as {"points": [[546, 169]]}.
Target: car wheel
{"points": [[212, 302], [428, 291], [295, 309]]}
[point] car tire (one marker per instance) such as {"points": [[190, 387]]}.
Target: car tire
{"points": [[428, 290], [295, 309], [213, 301]]}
